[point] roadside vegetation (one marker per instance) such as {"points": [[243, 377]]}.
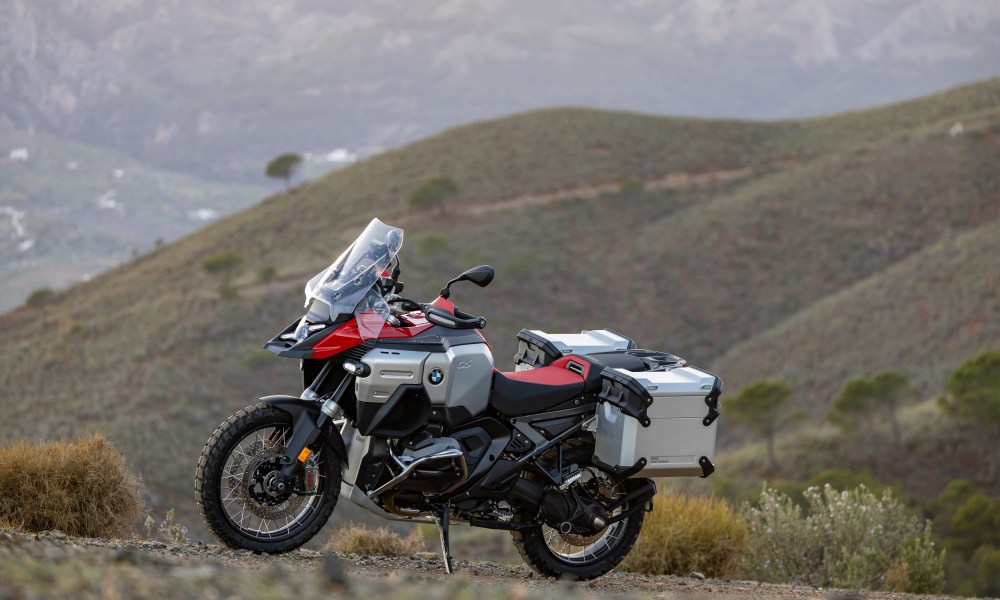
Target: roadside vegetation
{"points": [[881, 438], [382, 541], [82, 488]]}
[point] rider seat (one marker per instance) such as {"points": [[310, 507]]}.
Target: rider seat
{"points": [[537, 390]]}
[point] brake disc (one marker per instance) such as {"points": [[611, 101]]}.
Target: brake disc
{"points": [[259, 503]]}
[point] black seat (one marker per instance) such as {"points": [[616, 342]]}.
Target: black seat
{"points": [[534, 390]]}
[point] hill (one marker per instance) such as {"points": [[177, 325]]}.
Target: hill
{"points": [[824, 345], [740, 226], [69, 210]]}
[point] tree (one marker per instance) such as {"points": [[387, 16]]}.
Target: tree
{"points": [[761, 406], [865, 401], [974, 394], [283, 167], [433, 192]]}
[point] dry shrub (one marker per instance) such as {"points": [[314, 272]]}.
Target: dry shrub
{"points": [[357, 539], [82, 488], [685, 534], [849, 539]]}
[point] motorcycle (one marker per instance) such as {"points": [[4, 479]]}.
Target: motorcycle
{"points": [[404, 414]]}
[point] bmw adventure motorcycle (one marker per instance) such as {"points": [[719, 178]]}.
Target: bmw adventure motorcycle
{"points": [[404, 414]]}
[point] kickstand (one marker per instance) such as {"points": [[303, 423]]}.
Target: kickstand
{"points": [[442, 522]]}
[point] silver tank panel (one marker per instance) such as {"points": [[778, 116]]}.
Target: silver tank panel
{"points": [[468, 375], [390, 369]]}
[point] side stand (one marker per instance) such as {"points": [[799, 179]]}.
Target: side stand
{"points": [[441, 519]]}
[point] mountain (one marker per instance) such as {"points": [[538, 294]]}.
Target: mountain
{"points": [[69, 210], [217, 89], [699, 237]]}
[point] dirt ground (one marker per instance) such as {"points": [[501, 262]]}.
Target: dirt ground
{"points": [[53, 565]]}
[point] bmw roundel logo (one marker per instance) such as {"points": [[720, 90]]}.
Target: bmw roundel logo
{"points": [[436, 376]]}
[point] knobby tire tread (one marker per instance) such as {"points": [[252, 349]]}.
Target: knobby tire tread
{"points": [[208, 474]]}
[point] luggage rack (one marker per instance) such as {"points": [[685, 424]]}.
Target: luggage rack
{"points": [[656, 360]]}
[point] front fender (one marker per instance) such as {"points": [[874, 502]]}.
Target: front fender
{"points": [[307, 412]]}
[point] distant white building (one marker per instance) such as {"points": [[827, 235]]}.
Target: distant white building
{"points": [[19, 154], [204, 214], [956, 130]]}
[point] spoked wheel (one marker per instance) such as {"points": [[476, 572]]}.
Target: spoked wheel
{"points": [[232, 484], [576, 556]]}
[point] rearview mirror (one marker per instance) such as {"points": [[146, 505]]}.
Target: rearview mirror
{"points": [[481, 276]]}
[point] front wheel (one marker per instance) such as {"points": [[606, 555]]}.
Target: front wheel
{"points": [[230, 484]]}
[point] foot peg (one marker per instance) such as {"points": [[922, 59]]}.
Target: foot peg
{"points": [[441, 519]]}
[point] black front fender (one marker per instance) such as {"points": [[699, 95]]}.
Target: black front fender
{"points": [[306, 412]]}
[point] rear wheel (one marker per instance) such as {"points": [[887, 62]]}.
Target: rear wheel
{"points": [[580, 557], [231, 484]]}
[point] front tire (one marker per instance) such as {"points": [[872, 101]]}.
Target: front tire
{"points": [[230, 494]]}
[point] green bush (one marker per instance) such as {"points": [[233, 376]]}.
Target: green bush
{"points": [[685, 534], [267, 274], [39, 298], [224, 263], [433, 192], [849, 539], [632, 187]]}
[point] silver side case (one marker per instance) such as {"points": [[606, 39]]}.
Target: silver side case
{"points": [[677, 438]]}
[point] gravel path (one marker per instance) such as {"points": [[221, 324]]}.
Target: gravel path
{"points": [[54, 565]]}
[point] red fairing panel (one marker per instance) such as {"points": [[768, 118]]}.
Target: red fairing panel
{"points": [[348, 335], [550, 375]]}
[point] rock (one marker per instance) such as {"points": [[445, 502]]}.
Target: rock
{"points": [[55, 534], [332, 571], [696, 575], [427, 555]]}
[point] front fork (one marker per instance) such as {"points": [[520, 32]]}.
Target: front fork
{"points": [[306, 428]]}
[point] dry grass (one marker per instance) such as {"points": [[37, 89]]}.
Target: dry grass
{"points": [[689, 533], [82, 488], [357, 539]]}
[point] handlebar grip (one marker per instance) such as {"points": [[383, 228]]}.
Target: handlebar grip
{"points": [[459, 320]]}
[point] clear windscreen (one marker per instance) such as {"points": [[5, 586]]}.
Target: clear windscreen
{"points": [[347, 287]]}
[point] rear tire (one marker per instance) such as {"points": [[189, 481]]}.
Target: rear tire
{"points": [[237, 511], [609, 546]]}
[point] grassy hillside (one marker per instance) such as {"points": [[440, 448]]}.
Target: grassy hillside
{"points": [[741, 226], [943, 301]]}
